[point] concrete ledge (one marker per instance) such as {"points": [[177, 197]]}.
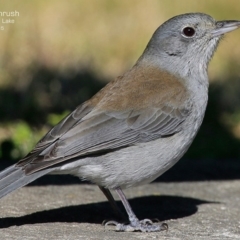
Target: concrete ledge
{"points": [[192, 210]]}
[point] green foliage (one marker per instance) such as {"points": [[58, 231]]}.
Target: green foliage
{"points": [[20, 140], [54, 118]]}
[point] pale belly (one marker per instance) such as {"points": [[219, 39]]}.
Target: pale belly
{"points": [[139, 164], [131, 166]]}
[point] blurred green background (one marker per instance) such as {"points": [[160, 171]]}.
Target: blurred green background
{"points": [[59, 53]]}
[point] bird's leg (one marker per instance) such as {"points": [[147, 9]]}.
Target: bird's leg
{"points": [[113, 203], [145, 225]]}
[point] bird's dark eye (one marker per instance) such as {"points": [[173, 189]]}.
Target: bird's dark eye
{"points": [[188, 32]]}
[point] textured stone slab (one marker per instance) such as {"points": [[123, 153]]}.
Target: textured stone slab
{"points": [[192, 210]]}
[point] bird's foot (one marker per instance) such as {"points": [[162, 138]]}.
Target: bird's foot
{"points": [[145, 225]]}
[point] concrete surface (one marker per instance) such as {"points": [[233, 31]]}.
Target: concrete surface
{"points": [[192, 210]]}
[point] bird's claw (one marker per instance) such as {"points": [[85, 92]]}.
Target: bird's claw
{"points": [[145, 225]]}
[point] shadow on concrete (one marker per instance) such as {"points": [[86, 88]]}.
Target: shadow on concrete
{"points": [[160, 207]]}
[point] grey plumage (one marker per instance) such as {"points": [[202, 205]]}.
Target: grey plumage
{"points": [[14, 177], [140, 124]]}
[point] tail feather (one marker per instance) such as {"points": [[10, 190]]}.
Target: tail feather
{"points": [[14, 177]]}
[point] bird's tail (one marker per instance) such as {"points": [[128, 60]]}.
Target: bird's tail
{"points": [[14, 177]]}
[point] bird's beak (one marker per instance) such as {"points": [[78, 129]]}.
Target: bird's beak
{"points": [[223, 27]]}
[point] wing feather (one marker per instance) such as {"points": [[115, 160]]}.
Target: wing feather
{"points": [[102, 133], [126, 112]]}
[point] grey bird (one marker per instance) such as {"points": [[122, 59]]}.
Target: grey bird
{"points": [[139, 125]]}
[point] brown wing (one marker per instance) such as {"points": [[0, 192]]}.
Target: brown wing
{"points": [[138, 112]]}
